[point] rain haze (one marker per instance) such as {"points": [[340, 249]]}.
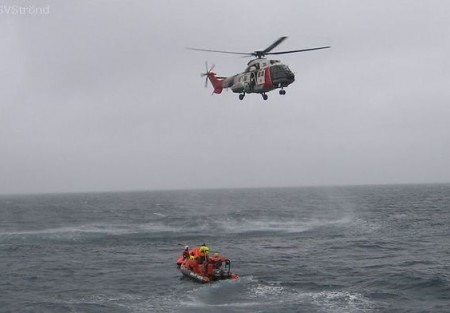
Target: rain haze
{"points": [[103, 95]]}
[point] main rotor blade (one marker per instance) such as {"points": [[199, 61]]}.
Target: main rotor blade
{"points": [[301, 50], [276, 43], [220, 51]]}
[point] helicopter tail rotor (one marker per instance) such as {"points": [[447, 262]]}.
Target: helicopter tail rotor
{"points": [[207, 73], [211, 76]]}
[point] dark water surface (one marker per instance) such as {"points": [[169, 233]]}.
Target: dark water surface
{"points": [[327, 249]]}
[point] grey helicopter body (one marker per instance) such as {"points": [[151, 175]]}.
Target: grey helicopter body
{"points": [[261, 75]]}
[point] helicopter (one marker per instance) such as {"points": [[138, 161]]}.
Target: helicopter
{"points": [[261, 75]]}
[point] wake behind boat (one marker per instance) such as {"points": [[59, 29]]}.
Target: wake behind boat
{"points": [[198, 265]]}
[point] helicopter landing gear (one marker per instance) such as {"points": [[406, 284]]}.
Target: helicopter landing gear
{"points": [[264, 96], [241, 96], [282, 92]]}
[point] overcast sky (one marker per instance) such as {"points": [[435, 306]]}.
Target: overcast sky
{"points": [[102, 95]]}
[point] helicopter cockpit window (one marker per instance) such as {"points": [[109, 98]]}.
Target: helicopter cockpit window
{"points": [[253, 67]]}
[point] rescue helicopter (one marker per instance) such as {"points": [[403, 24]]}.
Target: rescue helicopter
{"points": [[261, 75]]}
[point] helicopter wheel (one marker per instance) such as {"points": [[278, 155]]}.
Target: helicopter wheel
{"points": [[241, 96], [282, 92], [264, 96]]}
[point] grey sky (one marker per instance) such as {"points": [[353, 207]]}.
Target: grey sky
{"points": [[102, 95]]}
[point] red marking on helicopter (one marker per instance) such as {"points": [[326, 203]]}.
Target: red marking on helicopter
{"points": [[216, 82], [268, 81]]}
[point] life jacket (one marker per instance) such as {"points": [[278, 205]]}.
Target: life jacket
{"points": [[196, 253], [204, 250]]}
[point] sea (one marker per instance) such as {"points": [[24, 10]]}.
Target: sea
{"points": [[383, 248]]}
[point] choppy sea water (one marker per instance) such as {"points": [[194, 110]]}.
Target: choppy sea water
{"points": [[327, 249]]}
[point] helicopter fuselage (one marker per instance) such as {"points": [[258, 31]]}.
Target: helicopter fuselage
{"points": [[261, 75]]}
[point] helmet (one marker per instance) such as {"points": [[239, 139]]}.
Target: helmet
{"points": [[186, 247], [216, 254]]}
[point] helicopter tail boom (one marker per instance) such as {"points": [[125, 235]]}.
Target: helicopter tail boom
{"points": [[216, 82]]}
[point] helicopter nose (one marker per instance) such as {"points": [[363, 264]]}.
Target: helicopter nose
{"points": [[282, 75], [290, 76]]}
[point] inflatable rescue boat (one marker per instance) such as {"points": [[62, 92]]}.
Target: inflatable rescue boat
{"points": [[205, 269]]}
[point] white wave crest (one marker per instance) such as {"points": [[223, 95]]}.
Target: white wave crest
{"points": [[288, 226]]}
